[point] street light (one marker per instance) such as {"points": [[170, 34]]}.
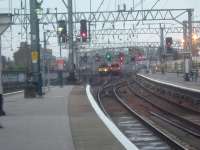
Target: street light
{"points": [[60, 73], [60, 29], [182, 42], [199, 53], [194, 37]]}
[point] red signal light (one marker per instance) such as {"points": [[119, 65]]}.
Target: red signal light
{"points": [[83, 34], [121, 59]]}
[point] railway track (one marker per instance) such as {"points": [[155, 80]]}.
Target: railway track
{"points": [[181, 96], [185, 119], [140, 131]]}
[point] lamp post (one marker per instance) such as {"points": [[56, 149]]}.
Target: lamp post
{"points": [[60, 29], [60, 71], [46, 59]]}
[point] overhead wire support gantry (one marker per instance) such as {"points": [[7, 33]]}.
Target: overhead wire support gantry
{"points": [[49, 15], [100, 18]]}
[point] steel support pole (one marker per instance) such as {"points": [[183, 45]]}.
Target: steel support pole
{"points": [[162, 53], [162, 39], [71, 45], [185, 38], [35, 46], [2, 113], [190, 31], [188, 36], [44, 61], [60, 71]]}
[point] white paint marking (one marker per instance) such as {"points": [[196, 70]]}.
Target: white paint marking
{"points": [[110, 125], [170, 84], [13, 93], [18, 92]]}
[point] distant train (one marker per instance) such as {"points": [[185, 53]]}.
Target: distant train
{"points": [[113, 69]]}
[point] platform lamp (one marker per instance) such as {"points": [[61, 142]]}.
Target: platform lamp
{"points": [[194, 47], [5, 22], [60, 30]]}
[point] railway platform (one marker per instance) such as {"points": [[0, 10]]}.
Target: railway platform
{"points": [[62, 120], [175, 79]]}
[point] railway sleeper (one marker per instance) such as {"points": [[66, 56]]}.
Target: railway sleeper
{"points": [[196, 101]]}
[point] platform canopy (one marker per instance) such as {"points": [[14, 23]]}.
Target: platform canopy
{"points": [[5, 22]]}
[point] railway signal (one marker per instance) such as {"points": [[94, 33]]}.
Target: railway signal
{"points": [[39, 3], [39, 6], [169, 43], [108, 56], [121, 58], [83, 30], [62, 31]]}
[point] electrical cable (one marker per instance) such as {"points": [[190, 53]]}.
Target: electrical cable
{"points": [[65, 4], [100, 5], [155, 4]]}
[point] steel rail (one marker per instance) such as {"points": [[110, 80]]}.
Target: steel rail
{"points": [[148, 124], [183, 120], [195, 133]]}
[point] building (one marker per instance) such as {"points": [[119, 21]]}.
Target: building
{"points": [[22, 57]]}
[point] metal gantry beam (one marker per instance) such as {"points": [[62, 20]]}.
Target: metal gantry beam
{"points": [[138, 31], [145, 30], [49, 15], [176, 44]]}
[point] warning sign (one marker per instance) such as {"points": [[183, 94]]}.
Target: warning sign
{"points": [[60, 63], [34, 56]]}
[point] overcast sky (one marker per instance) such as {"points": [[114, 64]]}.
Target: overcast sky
{"points": [[84, 5]]}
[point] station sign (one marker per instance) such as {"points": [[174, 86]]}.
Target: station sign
{"points": [[60, 63], [34, 56]]}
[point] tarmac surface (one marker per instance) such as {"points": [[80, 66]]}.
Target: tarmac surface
{"points": [[62, 120]]}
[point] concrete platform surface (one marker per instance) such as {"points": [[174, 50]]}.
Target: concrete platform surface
{"points": [[62, 120], [37, 124], [173, 78], [88, 131]]}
